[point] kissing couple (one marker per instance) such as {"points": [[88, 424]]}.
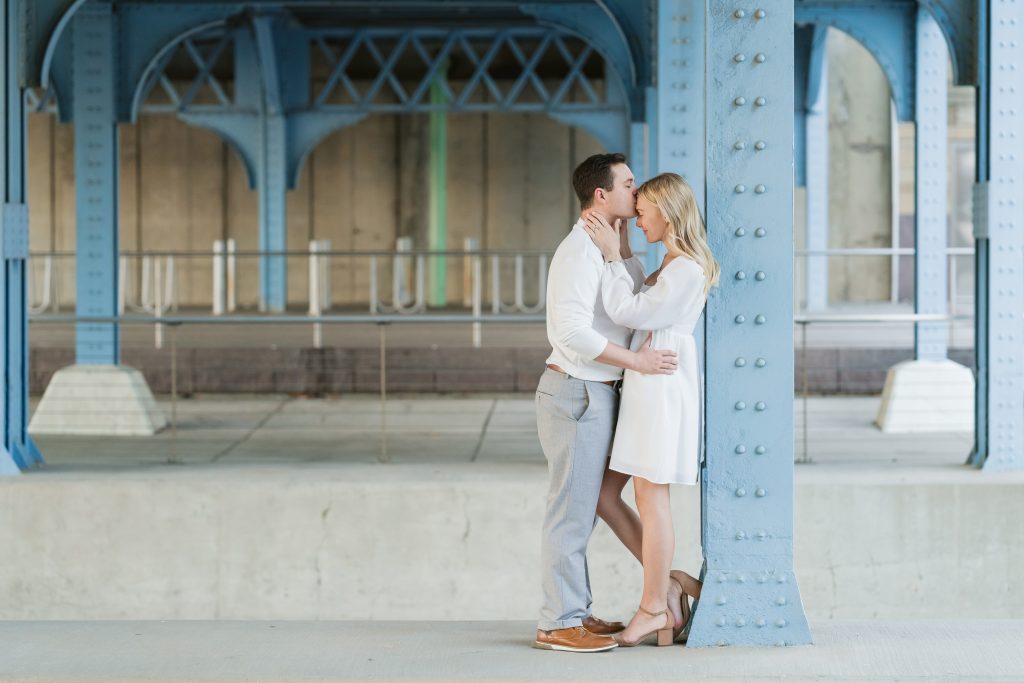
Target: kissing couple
{"points": [[620, 398]]}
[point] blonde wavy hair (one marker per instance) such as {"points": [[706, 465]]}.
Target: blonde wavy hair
{"points": [[686, 235]]}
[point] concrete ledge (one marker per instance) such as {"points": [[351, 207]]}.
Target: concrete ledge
{"points": [[927, 396], [442, 541], [98, 399], [90, 652]]}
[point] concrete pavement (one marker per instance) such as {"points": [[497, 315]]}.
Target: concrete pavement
{"points": [[286, 651]]}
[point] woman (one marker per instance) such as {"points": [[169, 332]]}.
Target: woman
{"points": [[657, 438]]}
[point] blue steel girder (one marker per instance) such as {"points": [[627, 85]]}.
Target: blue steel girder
{"points": [[17, 450], [999, 241], [931, 339], [750, 594], [885, 27], [96, 182]]}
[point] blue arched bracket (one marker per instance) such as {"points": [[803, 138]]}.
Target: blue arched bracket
{"points": [[958, 21], [888, 32]]}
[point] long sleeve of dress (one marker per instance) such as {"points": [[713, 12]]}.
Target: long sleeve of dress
{"points": [[660, 306], [635, 267]]}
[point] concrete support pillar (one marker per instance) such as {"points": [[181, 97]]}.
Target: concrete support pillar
{"points": [[17, 451], [678, 144], [930, 189], [96, 182], [750, 594], [816, 171], [271, 174], [999, 241]]}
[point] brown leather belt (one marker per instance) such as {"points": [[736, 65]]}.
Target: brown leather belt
{"points": [[609, 382]]}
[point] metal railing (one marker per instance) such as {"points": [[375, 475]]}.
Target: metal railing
{"points": [[803, 321]]}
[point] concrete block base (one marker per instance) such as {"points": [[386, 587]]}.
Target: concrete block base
{"points": [[927, 396], [110, 400]]}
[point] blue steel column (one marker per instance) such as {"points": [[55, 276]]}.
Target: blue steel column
{"points": [[750, 594], [816, 173], [930, 230], [679, 138], [16, 448], [999, 244], [96, 233], [273, 188]]}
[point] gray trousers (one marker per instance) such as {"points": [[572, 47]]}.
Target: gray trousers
{"points": [[575, 422]]}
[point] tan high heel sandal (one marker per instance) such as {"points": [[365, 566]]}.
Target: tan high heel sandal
{"points": [[681, 634], [664, 633]]}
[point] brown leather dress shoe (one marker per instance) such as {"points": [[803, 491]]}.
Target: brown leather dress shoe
{"points": [[601, 627], [575, 639]]}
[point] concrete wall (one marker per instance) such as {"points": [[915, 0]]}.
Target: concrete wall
{"points": [[182, 188], [432, 542]]}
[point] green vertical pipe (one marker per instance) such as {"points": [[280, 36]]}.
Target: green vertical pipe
{"points": [[437, 235]]}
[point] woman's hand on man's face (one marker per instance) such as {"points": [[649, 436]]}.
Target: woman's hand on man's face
{"points": [[604, 235]]}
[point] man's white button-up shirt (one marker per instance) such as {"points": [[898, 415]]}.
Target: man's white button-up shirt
{"points": [[579, 329]]}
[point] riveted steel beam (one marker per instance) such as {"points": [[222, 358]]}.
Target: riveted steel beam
{"points": [[17, 451], [999, 240], [931, 339], [750, 595], [96, 185]]}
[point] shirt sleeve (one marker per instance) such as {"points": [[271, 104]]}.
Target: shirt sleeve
{"points": [[635, 267], [576, 289], [660, 306]]}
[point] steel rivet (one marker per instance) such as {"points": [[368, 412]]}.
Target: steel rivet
{"points": [[741, 275], [780, 623], [761, 623], [760, 362], [740, 189], [759, 189], [741, 579], [739, 145], [761, 535], [741, 622], [740, 57], [780, 600], [740, 362], [781, 578], [760, 450], [741, 492], [760, 14], [759, 493], [760, 101], [741, 449], [740, 320], [740, 536], [760, 232], [721, 621], [759, 58], [739, 14], [759, 145], [721, 578], [740, 101], [721, 600], [740, 405], [759, 276], [760, 320], [760, 405]]}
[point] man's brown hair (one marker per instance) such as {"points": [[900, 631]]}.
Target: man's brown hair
{"points": [[594, 172]]}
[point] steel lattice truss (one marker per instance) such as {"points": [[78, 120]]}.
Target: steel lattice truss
{"points": [[375, 70]]}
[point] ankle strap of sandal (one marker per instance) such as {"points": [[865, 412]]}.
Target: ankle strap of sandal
{"points": [[652, 614]]}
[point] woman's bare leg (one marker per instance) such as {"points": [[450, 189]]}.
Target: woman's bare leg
{"points": [[657, 549], [617, 514]]}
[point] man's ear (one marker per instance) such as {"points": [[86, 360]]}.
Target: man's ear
{"points": [[599, 194]]}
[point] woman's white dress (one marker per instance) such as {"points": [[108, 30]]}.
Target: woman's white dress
{"points": [[657, 436]]}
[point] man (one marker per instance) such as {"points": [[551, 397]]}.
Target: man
{"points": [[577, 404]]}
